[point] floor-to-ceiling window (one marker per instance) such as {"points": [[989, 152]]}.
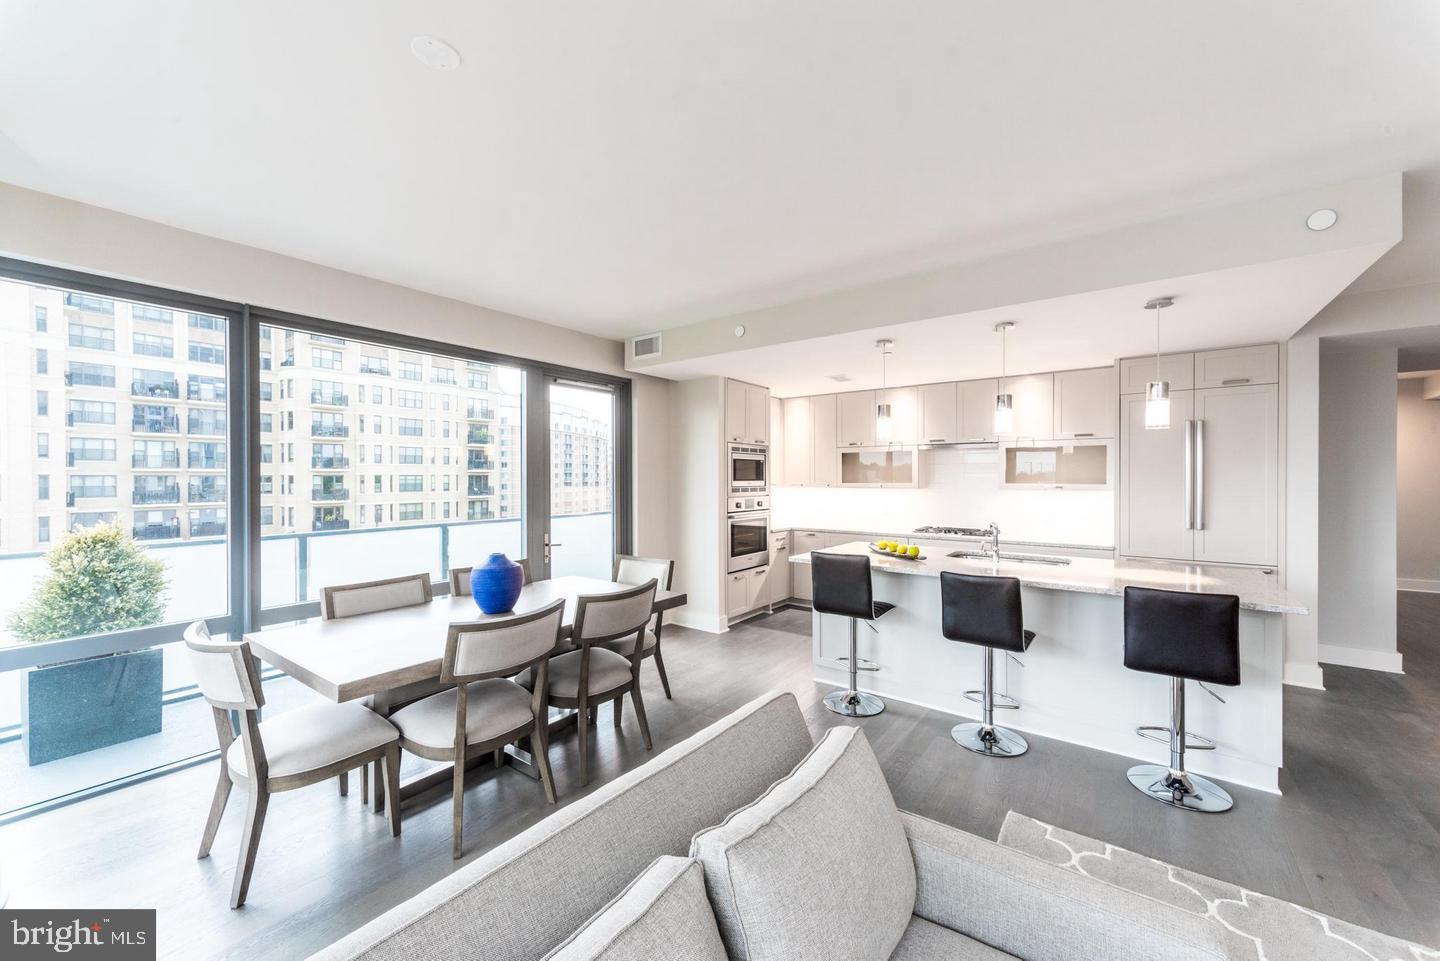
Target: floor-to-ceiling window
{"points": [[582, 491]]}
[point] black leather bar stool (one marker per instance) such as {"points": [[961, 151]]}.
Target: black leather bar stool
{"points": [[1187, 636], [977, 609], [841, 585]]}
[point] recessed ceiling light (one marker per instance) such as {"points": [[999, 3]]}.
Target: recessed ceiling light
{"points": [[1322, 219], [739, 330], [435, 54]]}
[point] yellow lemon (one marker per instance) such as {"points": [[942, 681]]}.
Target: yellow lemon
{"points": [[914, 550]]}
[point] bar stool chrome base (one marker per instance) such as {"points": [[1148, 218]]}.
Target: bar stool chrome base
{"points": [[1180, 789], [990, 741], [854, 703]]}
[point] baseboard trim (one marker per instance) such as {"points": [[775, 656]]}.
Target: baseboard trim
{"points": [[1304, 675], [1418, 584], [1388, 661], [708, 623]]}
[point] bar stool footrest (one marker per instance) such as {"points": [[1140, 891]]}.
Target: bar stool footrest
{"points": [[1003, 702], [1193, 742], [863, 665]]}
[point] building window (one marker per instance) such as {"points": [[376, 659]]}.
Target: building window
{"points": [[442, 375], [409, 427], [42, 403], [42, 360], [159, 314], [92, 485], [80, 374], [85, 302], [93, 338], [42, 530], [411, 483], [411, 371], [267, 390], [410, 398], [412, 455], [91, 412], [207, 353], [42, 487], [151, 345], [207, 322], [412, 512], [42, 320], [42, 445], [92, 448], [325, 359]]}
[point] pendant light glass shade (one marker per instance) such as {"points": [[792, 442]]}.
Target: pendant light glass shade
{"points": [[1157, 405], [883, 423], [1004, 413]]}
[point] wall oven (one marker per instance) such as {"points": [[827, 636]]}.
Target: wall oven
{"points": [[748, 474], [749, 540]]}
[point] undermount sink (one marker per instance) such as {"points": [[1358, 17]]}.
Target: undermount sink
{"points": [[1004, 556]]}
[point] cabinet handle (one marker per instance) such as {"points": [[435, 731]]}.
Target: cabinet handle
{"points": [[1199, 475], [1234, 380], [1189, 474], [1088, 433], [971, 440], [936, 440]]}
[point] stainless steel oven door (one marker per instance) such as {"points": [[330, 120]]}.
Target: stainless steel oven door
{"points": [[749, 541], [748, 470]]}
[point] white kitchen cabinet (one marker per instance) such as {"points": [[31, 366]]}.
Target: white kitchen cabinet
{"points": [[799, 450], [1034, 401], [824, 461], [803, 542], [878, 467], [776, 463], [939, 421], [1176, 369], [737, 593], [1086, 402], [1237, 474], [1238, 366], [857, 419], [977, 410], [1156, 516], [777, 581], [747, 413], [904, 415], [757, 588]]}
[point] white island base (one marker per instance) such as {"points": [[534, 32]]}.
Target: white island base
{"points": [[1074, 686]]}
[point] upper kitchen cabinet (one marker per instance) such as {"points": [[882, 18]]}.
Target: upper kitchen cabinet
{"points": [[747, 413], [1085, 403], [939, 421], [857, 419], [1178, 370], [778, 458], [1238, 366], [904, 415], [977, 410], [799, 443], [825, 459], [1034, 400]]}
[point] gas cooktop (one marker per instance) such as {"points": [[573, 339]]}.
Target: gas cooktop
{"points": [[953, 531]]}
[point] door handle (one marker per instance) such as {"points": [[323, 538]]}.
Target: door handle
{"points": [[1199, 475], [1189, 474]]}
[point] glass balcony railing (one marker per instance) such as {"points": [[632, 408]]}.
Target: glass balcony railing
{"points": [[207, 529], [154, 532], [328, 430], [330, 494], [156, 425], [332, 525], [329, 399], [479, 490], [478, 463], [198, 461], [330, 463], [152, 388], [156, 495], [477, 436], [164, 460], [206, 494], [206, 393], [382, 369]]}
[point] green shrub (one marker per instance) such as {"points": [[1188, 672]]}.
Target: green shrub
{"points": [[100, 580]]}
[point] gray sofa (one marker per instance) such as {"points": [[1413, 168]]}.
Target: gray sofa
{"points": [[750, 841]]}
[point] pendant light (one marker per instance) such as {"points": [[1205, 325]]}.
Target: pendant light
{"points": [[1157, 391], [883, 422], [1004, 403]]}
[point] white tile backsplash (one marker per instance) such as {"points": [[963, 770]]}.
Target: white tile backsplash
{"points": [[959, 487]]}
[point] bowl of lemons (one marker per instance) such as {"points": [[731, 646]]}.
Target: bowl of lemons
{"points": [[907, 552]]}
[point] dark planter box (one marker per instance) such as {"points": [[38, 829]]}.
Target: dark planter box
{"points": [[84, 705]]}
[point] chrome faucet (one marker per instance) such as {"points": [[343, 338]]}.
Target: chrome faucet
{"points": [[993, 549]]}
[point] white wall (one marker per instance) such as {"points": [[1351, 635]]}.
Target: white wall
{"points": [[1357, 497], [1417, 559], [697, 500], [52, 230], [960, 487]]}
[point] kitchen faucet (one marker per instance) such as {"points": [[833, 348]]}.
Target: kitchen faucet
{"points": [[992, 532]]}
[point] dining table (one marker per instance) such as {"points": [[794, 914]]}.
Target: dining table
{"points": [[346, 659]]}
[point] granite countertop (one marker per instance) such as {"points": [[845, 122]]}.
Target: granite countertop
{"points": [[959, 538], [1257, 590]]}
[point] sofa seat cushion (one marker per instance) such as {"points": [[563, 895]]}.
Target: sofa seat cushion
{"points": [[663, 913], [818, 867], [608, 671], [626, 645], [493, 707], [928, 941], [311, 737]]}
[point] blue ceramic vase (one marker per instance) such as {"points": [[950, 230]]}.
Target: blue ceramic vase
{"points": [[496, 584]]}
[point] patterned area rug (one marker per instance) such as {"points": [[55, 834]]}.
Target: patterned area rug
{"points": [[1262, 928]]}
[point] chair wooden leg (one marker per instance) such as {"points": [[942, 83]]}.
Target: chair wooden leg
{"points": [[582, 724], [249, 843], [619, 711], [660, 666], [390, 763], [344, 783], [640, 715], [217, 808], [364, 786], [540, 751], [594, 715], [499, 757], [375, 774], [457, 812]]}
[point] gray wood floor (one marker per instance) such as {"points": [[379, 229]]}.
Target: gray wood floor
{"points": [[1356, 834]]}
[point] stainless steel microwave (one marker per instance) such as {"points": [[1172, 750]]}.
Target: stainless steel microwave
{"points": [[749, 469], [749, 536]]}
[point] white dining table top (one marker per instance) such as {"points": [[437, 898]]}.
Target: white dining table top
{"points": [[355, 657]]}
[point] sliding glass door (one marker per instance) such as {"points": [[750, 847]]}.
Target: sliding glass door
{"points": [[581, 524]]}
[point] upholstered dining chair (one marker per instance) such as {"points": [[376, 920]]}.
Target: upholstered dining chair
{"points": [[460, 578], [369, 597], [484, 709], [629, 569], [593, 674], [291, 750]]}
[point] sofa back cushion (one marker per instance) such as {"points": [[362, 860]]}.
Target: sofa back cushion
{"points": [[662, 914], [817, 867], [525, 896]]}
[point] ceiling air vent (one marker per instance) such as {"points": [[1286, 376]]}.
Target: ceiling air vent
{"points": [[647, 345]]}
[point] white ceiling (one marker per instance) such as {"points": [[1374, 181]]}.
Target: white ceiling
{"points": [[627, 165]]}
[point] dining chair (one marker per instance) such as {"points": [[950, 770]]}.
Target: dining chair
{"points": [[370, 597], [483, 709], [460, 578], [593, 674], [291, 750], [629, 569]]}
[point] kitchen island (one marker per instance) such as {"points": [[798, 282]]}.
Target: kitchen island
{"points": [[1074, 685]]}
